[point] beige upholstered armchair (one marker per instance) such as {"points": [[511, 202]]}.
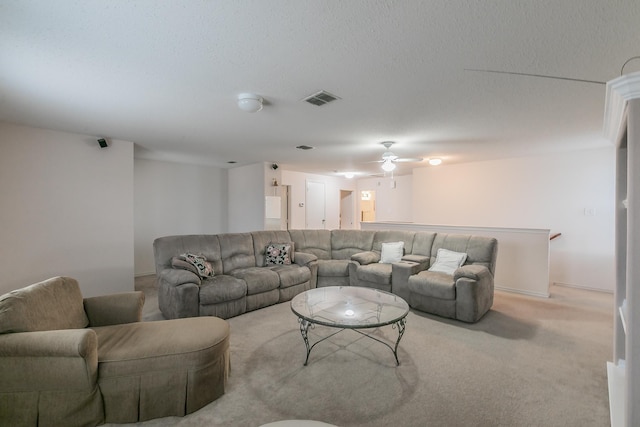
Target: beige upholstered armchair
{"points": [[65, 360]]}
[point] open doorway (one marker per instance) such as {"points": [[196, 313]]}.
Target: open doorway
{"points": [[367, 206], [347, 207]]}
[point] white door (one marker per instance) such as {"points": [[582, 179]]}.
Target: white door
{"points": [[346, 210], [315, 212]]}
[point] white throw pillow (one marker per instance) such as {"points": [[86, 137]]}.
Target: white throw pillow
{"points": [[447, 261], [391, 252]]}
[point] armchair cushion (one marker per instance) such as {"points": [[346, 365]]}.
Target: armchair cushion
{"points": [[53, 304]]}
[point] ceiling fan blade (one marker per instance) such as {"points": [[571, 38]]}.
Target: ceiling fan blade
{"points": [[408, 160], [537, 75]]}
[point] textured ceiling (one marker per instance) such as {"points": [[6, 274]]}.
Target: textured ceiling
{"points": [[165, 75]]}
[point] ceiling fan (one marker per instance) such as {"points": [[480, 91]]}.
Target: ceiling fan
{"points": [[389, 159]]}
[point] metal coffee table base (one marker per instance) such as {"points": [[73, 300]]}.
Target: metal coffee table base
{"points": [[305, 325]]}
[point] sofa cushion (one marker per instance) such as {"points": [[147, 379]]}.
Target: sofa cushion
{"points": [[448, 261], [291, 275], [258, 279], [433, 284], [333, 268], [222, 288], [53, 304], [345, 243], [316, 242], [377, 273]]}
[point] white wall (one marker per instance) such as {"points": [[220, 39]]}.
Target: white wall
{"points": [[534, 192], [393, 203], [175, 198], [66, 209], [246, 210], [297, 182]]}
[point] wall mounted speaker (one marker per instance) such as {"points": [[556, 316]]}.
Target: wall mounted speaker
{"points": [[103, 143]]}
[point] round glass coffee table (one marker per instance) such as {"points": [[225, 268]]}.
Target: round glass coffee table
{"points": [[349, 307]]}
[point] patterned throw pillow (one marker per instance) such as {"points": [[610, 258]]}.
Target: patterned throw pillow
{"points": [[199, 262], [277, 254]]}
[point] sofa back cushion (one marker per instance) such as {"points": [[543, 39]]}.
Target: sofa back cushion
{"points": [[385, 236], [207, 245], [53, 304], [345, 243], [261, 239], [479, 249], [422, 243], [236, 250], [316, 242]]}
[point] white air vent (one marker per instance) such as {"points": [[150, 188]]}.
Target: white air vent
{"points": [[320, 98]]}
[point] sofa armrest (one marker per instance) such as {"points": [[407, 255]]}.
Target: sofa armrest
{"points": [[364, 258], [114, 309], [400, 273], [176, 277], [304, 258], [474, 292], [471, 271], [48, 360]]}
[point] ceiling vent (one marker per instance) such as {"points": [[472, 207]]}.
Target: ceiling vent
{"points": [[320, 98]]}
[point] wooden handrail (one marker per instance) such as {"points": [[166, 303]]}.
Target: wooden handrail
{"points": [[555, 236]]}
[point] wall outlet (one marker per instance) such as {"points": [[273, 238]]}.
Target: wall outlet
{"points": [[589, 211]]}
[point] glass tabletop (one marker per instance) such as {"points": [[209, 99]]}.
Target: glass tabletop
{"points": [[349, 307]]}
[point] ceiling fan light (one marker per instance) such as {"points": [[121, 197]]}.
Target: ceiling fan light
{"points": [[435, 161], [249, 102], [388, 165]]}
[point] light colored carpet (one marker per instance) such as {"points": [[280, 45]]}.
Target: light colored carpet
{"points": [[528, 362]]}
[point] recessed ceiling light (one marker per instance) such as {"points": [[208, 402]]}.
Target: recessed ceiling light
{"points": [[349, 175], [435, 161]]}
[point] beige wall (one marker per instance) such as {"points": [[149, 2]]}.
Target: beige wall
{"points": [[175, 198], [571, 193], [66, 209]]}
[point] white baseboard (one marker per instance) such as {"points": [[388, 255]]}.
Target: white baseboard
{"points": [[586, 288], [522, 292], [144, 274]]}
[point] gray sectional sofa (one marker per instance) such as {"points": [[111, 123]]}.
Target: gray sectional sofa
{"points": [[242, 281]]}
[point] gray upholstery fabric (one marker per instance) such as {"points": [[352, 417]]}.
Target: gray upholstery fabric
{"points": [[345, 243], [394, 236], [422, 242], [166, 248], [218, 289], [236, 250], [258, 279], [326, 258], [334, 268], [433, 284], [316, 242]]}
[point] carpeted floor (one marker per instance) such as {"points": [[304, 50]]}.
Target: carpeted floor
{"points": [[528, 362]]}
